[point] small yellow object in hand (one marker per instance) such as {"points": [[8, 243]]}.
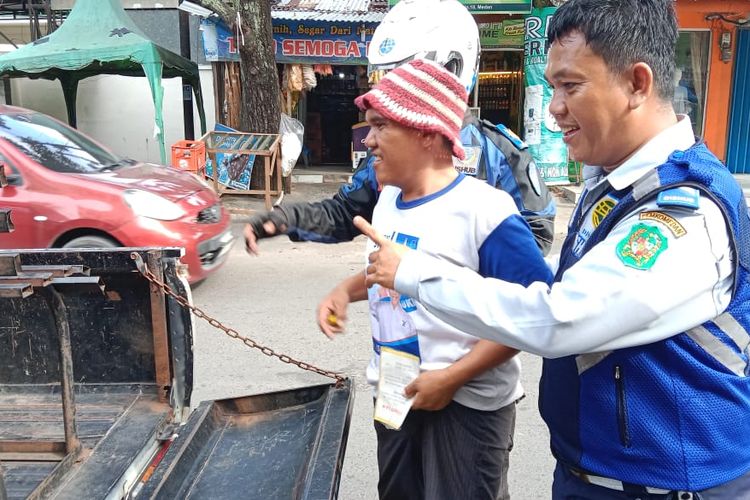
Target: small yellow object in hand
{"points": [[332, 320]]}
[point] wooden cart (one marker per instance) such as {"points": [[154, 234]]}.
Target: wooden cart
{"points": [[243, 143]]}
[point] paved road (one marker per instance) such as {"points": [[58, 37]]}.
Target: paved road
{"points": [[272, 299]]}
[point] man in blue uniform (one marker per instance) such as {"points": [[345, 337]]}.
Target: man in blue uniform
{"points": [[645, 386], [445, 32]]}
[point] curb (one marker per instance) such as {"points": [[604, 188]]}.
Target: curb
{"points": [[240, 214], [323, 178], [568, 193]]}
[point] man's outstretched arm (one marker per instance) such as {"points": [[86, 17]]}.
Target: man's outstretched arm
{"points": [[326, 221]]}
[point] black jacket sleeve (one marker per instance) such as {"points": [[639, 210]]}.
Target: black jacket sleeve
{"points": [[330, 221]]}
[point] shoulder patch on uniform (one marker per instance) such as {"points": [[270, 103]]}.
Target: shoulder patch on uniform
{"points": [[511, 136], [641, 247], [602, 209], [685, 197], [470, 164], [678, 230]]}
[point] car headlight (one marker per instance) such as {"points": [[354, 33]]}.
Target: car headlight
{"points": [[152, 206]]}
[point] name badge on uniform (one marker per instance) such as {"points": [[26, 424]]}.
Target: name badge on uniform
{"points": [[470, 165]]}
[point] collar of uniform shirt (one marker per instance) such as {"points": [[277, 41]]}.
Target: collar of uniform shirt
{"points": [[652, 154]]}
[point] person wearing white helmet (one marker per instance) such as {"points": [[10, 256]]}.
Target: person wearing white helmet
{"points": [[443, 31]]}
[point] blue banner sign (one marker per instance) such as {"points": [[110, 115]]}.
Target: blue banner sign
{"points": [[297, 41]]}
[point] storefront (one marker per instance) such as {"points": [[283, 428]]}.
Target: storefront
{"points": [[705, 86], [337, 53], [738, 146], [499, 91], [713, 71], [322, 65]]}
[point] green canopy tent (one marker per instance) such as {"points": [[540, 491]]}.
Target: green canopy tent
{"points": [[99, 37]]}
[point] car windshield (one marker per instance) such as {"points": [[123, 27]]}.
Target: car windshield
{"points": [[54, 145]]}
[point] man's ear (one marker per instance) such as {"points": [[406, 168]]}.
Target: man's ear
{"points": [[641, 82], [434, 142]]}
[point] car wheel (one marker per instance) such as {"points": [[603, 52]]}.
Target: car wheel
{"points": [[91, 242]]}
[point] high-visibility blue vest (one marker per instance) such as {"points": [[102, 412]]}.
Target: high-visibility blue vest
{"points": [[673, 414]]}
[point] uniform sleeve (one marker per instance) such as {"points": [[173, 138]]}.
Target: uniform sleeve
{"points": [[636, 287], [510, 253], [330, 221]]}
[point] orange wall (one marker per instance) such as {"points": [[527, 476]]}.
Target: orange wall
{"points": [[691, 14]]}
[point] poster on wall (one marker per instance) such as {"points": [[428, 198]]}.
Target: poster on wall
{"points": [[541, 133], [219, 43], [501, 35], [235, 170]]}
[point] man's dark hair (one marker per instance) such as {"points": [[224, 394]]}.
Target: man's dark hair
{"points": [[625, 32]]}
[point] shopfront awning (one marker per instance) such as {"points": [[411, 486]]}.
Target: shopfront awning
{"points": [[353, 11], [491, 6]]}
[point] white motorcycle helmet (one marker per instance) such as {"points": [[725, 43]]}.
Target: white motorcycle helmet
{"points": [[440, 30]]}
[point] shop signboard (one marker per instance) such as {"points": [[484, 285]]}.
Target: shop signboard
{"points": [[508, 34], [297, 41], [491, 6], [321, 42], [541, 133]]}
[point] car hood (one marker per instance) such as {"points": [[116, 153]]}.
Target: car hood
{"points": [[167, 182]]}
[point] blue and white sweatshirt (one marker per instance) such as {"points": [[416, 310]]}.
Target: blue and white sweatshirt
{"points": [[471, 224]]}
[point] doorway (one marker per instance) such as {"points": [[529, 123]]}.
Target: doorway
{"points": [[331, 112], [738, 147]]}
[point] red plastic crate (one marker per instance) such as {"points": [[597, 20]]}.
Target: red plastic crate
{"points": [[189, 155]]}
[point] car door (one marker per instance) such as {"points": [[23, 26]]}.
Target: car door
{"points": [[26, 211]]}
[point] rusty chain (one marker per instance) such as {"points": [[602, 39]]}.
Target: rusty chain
{"points": [[231, 332]]}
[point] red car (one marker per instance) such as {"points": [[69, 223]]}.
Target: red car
{"points": [[67, 191]]}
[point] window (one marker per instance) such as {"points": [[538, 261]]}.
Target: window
{"points": [[691, 75], [54, 145]]}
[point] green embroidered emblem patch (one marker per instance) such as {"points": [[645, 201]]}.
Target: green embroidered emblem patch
{"points": [[640, 248]]}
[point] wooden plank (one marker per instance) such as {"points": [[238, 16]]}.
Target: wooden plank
{"points": [[267, 142], [12, 446]]}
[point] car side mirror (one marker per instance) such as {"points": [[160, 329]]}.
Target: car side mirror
{"points": [[8, 179]]}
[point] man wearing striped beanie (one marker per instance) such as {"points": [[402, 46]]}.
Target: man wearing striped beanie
{"points": [[421, 95], [455, 440]]}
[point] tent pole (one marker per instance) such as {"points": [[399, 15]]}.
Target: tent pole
{"points": [[8, 91], [187, 88], [70, 92]]}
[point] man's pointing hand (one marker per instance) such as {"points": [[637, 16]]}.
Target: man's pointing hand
{"points": [[385, 260]]}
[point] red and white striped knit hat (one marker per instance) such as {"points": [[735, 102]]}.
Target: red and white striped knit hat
{"points": [[422, 95]]}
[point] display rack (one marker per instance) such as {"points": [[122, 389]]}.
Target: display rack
{"points": [[242, 143], [499, 96]]}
